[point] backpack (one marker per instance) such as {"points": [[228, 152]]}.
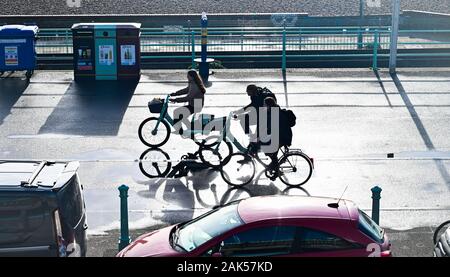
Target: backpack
{"points": [[267, 93], [291, 119]]}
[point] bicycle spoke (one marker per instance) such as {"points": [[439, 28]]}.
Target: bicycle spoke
{"points": [[295, 169]]}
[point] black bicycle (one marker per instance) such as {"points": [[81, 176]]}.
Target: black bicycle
{"points": [[294, 168]]}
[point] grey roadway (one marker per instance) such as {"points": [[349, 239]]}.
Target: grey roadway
{"points": [[348, 120]]}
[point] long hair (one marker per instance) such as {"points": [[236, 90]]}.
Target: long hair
{"points": [[198, 81]]}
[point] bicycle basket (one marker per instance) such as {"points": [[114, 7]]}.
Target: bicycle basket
{"points": [[156, 105]]}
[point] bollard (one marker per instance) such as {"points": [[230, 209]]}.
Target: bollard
{"points": [[124, 239], [376, 196]]}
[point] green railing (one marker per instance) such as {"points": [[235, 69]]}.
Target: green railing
{"points": [[276, 43]]}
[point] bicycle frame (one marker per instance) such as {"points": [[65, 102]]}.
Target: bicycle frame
{"points": [[164, 115]]}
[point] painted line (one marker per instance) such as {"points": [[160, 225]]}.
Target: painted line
{"points": [[196, 160], [270, 81], [419, 209]]}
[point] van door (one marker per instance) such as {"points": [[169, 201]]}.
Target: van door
{"points": [[26, 226]]}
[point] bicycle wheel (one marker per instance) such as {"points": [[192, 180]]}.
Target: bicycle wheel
{"points": [[437, 233], [214, 151], [155, 163], [238, 170], [152, 136], [295, 169]]}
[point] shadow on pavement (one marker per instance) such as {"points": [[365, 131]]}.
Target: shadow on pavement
{"points": [[421, 128], [180, 198], [10, 91], [91, 109]]}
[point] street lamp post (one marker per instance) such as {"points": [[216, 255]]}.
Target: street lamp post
{"points": [[394, 36], [361, 20]]}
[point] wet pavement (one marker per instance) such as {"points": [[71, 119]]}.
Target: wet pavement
{"points": [[347, 120]]}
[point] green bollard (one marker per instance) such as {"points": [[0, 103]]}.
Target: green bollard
{"points": [[376, 196], [124, 239]]}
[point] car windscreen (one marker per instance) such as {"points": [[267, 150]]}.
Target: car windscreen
{"points": [[24, 221], [213, 224], [370, 228]]}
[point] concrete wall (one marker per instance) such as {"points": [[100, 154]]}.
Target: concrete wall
{"points": [[419, 20]]}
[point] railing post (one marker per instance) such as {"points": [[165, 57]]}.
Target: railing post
{"points": [[376, 196], [124, 239], [375, 50], [283, 61], [299, 39], [67, 41], [193, 49], [242, 39]]}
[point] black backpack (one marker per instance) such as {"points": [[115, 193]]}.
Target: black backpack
{"points": [[291, 119], [267, 93]]}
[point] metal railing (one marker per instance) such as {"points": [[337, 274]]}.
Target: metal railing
{"points": [[274, 42]]}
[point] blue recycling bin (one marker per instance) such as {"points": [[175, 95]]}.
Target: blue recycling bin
{"points": [[17, 48]]}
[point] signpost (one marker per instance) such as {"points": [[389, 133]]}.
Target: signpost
{"points": [[204, 61]]}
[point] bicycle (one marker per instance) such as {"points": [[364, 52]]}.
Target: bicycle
{"points": [[294, 168], [155, 163], [154, 132]]}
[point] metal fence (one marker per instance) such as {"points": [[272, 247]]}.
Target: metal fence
{"points": [[282, 43]]}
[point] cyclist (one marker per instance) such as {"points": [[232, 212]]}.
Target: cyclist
{"points": [[257, 96], [285, 122], [195, 97]]}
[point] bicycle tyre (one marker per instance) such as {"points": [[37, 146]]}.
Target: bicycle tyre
{"points": [[438, 229], [204, 147], [303, 157], [142, 132], [160, 173], [231, 163]]}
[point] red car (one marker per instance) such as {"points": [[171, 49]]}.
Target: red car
{"points": [[286, 226]]}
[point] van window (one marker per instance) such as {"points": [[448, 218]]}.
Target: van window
{"points": [[21, 217]]}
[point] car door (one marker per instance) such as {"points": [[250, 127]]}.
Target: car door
{"points": [[267, 241], [316, 243]]}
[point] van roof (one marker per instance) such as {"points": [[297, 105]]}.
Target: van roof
{"points": [[35, 174]]}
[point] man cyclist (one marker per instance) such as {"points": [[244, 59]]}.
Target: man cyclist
{"points": [[281, 137], [257, 96]]}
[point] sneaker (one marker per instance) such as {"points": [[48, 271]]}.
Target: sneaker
{"points": [[245, 160]]}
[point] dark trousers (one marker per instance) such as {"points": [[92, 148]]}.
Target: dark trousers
{"points": [[180, 116]]}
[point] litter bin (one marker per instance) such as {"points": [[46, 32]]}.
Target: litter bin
{"points": [[17, 48], [129, 48], [83, 52], [108, 51]]}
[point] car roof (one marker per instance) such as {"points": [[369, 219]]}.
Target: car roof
{"points": [[278, 207], [34, 174]]}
